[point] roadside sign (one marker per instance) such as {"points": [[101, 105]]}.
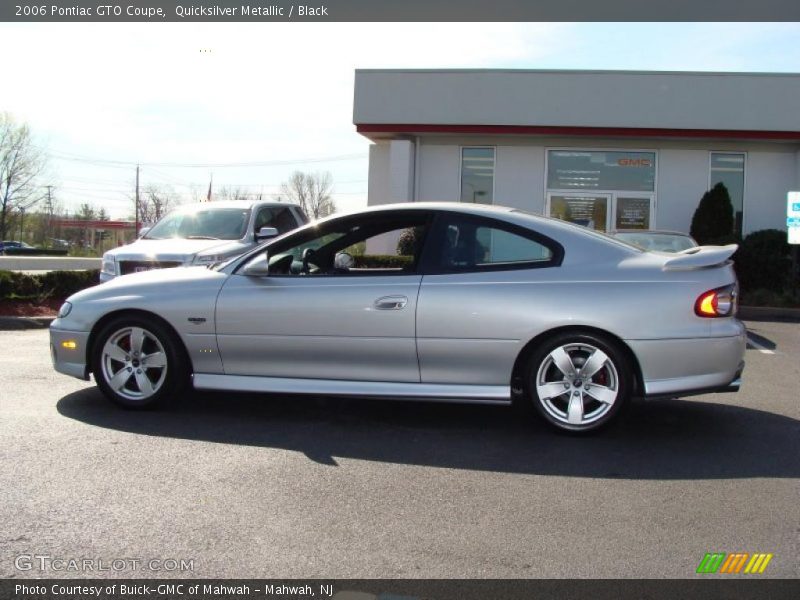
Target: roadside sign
{"points": [[793, 216]]}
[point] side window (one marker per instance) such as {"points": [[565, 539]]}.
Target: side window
{"points": [[469, 244], [279, 217], [376, 246]]}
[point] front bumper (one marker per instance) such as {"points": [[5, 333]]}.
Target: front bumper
{"points": [[69, 352]]}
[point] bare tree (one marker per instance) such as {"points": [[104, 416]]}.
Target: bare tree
{"points": [[234, 193], [312, 191], [156, 201], [20, 163]]}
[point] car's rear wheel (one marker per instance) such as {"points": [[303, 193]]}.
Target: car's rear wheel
{"points": [[138, 363], [578, 382]]}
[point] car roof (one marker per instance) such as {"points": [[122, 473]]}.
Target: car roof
{"points": [[545, 225], [506, 213], [462, 207], [233, 204]]}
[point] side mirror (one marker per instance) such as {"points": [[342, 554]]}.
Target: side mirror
{"points": [[266, 233], [257, 267], [143, 231], [343, 261]]}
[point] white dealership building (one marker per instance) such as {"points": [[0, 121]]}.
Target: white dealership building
{"points": [[607, 149]]}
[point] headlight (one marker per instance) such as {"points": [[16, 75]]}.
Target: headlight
{"points": [[109, 265], [65, 309]]}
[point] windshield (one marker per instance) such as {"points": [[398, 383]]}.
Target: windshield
{"points": [[660, 242], [202, 224]]}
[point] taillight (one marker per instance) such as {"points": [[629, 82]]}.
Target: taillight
{"points": [[720, 302]]}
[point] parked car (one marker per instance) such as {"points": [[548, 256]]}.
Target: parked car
{"points": [[8, 245], [488, 304], [660, 241], [23, 249], [59, 243], [202, 234]]}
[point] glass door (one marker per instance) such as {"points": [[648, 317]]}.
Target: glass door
{"points": [[633, 211], [589, 210]]}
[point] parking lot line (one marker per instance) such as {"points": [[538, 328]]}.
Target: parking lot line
{"points": [[754, 344]]}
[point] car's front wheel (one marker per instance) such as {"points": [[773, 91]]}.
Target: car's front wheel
{"points": [[578, 382], [137, 363]]}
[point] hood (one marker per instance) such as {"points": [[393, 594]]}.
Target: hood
{"points": [[137, 284], [175, 249]]}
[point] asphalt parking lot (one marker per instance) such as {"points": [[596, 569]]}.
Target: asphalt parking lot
{"points": [[255, 486]]}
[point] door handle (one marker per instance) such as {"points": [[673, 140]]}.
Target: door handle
{"points": [[391, 303]]}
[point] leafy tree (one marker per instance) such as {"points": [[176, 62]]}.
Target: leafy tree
{"points": [[86, 212], [712, 222]]}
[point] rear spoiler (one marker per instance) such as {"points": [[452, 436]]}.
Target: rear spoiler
{"points": [[700, 257]]}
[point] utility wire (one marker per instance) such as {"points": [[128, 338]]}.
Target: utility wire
{"points": [[266, 163]]}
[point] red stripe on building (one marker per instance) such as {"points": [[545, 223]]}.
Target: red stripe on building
{"points": [[366, 128]]}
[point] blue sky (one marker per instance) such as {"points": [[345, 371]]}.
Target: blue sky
{"points": [[282, 93]]}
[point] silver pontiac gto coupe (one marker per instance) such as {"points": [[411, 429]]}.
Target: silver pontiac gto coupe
{"points": [[438, 301]]}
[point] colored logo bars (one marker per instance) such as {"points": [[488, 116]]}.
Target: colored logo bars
{"points": [[719, 562]]}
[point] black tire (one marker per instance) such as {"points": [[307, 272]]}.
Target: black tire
{"points": [[578, 410], [166, 384]]}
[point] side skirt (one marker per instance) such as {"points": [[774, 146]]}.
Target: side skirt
{"points": [[476, 394]]}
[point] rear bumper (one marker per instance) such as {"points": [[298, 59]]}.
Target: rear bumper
{"points": [[685, 367], [732, 387]]}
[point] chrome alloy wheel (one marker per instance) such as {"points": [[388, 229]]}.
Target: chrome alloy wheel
{"points": [[134, 363], [577, 384]]}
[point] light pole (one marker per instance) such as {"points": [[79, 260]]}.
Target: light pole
{"points": [[21, 221]]}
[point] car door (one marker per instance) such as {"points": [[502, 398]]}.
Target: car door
{"points": [[480, 282], [328, 315]]}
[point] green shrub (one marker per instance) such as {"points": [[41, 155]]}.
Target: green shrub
{"points": [[60, 284], [763, 261], [13, 284], [52, 284], [712, 222], [761, 297], [382, 261]]}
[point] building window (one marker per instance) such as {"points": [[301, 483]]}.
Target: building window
{"points": [[728, 168], [477, 175], [601, 170]]}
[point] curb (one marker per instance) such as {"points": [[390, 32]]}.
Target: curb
{"points": [[18, 323]]}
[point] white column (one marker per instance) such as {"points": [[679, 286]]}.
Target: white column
{"points": [[797, 170], [401, 171]]}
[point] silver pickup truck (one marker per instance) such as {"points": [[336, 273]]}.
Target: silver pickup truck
{"points": [[202, 234]]}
